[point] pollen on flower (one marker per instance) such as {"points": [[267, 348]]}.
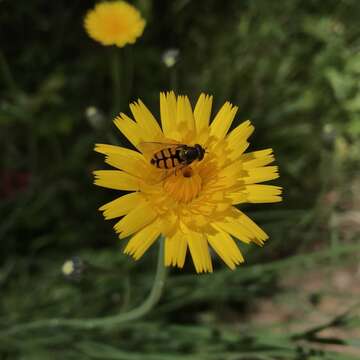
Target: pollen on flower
{"points": [[184, 185], [196, 206]]}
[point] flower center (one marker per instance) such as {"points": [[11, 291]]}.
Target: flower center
{"points": [[184, 185]]}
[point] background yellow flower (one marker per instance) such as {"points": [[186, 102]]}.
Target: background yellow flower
{"points": [[195, 206], [114, 23]]}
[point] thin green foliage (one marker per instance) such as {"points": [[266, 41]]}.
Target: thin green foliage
{"points": [[292, 67]]}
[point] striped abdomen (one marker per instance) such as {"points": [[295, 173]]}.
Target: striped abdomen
{"points": [[167, 158]]}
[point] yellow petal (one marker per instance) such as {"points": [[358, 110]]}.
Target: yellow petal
{"points": [[236, 141], [226, 248], [232, 172], [175, 250], [184, 118], [258, 235], [146, 121], [238, 172], [256, 194], [122, 205], [199, 252], [135, 220], [107, 149], [222, 122], [202, 112], [241, 133], [235, 229], [168, 113], [181, 251], [257, 158], [129, 128], [142, 240], [129, 162], [261, 174], [115, 179], [170, 251]]}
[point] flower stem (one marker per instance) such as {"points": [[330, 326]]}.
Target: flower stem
{"points": [[116, 78], [108, 321], [154, 295], [129, 67]]}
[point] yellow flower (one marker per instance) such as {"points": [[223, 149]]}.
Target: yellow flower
{"points": [[114, 23], [193, 206]]}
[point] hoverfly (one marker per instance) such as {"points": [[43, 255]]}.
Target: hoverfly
{"points": [[171, 155]]}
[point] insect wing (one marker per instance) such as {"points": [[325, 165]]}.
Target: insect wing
{"points": [[150, 148]]}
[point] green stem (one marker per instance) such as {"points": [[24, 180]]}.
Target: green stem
{"points": [[116, 78], [108, 321], [129, 68]]}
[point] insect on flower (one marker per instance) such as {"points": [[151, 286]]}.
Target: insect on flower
{"points": [[171, 155]]}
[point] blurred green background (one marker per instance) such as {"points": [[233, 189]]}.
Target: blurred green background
{"points": [[293, 68]]}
